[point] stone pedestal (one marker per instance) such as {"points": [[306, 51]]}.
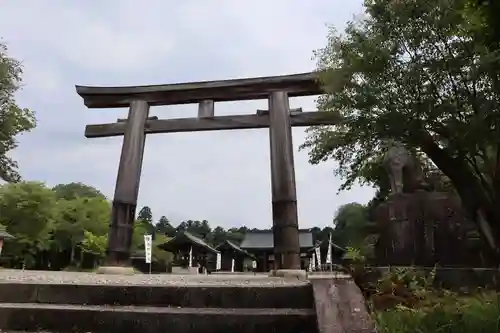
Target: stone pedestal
{"points": [[423, 229]]}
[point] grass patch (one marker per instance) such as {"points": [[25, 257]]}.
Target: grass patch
{"points": [[446, 314], [406, 300]]}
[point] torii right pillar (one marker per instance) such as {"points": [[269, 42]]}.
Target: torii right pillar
{"points": [[284, 194]]}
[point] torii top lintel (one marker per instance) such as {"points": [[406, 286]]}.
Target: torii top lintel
{"points": [[304, 84]]}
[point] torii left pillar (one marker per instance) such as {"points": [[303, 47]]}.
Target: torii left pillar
{"points": [[126, 192], [284, 196]]}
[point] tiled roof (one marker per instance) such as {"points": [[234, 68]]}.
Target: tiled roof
{"points": [[185, 237], [264, 240], [228, 244]]}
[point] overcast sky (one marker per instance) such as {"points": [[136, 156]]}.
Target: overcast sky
{"points": [[223, 177]]}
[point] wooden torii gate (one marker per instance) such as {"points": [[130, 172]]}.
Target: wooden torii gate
{"points": [[279, 119]]}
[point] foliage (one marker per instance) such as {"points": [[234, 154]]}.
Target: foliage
{"points": [[407, 300], [13, 119], [164, 227], [411, 71], [66, 227], [79, 220], [73, 190], [450, 313], [404, 286], [482, 18], [145, 215], [350, 225], [27, 212], [141, 228], [354, 255], [50, 229], [159, 255], [94, 244]]}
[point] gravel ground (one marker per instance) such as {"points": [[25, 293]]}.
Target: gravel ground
{"points": [[50, 277]]}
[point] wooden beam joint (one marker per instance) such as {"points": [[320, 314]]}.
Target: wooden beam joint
{"points": [[261, 112], [206, 109]]}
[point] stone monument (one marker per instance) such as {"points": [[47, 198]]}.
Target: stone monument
{"points": [[419, 226]]}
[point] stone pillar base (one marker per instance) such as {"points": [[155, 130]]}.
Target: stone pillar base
{"points": [[116, 270], [289, 273]]}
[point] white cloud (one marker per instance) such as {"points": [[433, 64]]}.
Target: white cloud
{"points": [[223, 177]]}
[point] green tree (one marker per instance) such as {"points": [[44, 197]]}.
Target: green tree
{"points": [[145, 215], [73, 190], [199, 228], [350, 225], [410, 71], [78, 216], [482, 18], [13, 119], [141, 228], [94, 244], [164, 227], [28, 211], [159, 255], [236, 235], [218, 236]]}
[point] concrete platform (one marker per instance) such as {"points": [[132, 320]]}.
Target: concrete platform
{"points": [[40, 277]]}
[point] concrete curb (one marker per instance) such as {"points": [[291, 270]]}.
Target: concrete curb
{"points": [[298, 274], [116, 270]]}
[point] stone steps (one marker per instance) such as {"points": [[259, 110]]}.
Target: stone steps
{"points": [[92, 318], [200, 308], [197, 296], [57, 302]]}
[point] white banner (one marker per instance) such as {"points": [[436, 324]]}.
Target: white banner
{"points": [[219, 262], [148, 247], [190, 257], [312, 263], [329, 253], [318, 256], [232, 265], [254, 264]]}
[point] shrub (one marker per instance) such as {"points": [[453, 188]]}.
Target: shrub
{"points": [[447, 314]]}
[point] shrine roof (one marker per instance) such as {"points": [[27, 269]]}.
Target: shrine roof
{"points": [[183, 240], [228, 245], [265, 240]]}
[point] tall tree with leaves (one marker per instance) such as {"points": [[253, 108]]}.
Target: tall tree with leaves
{"points": [[164, 227], [410, 70], [74, 190], [350, 225], [78, 217], [28, 211], [145, 215], [14, 120]]}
